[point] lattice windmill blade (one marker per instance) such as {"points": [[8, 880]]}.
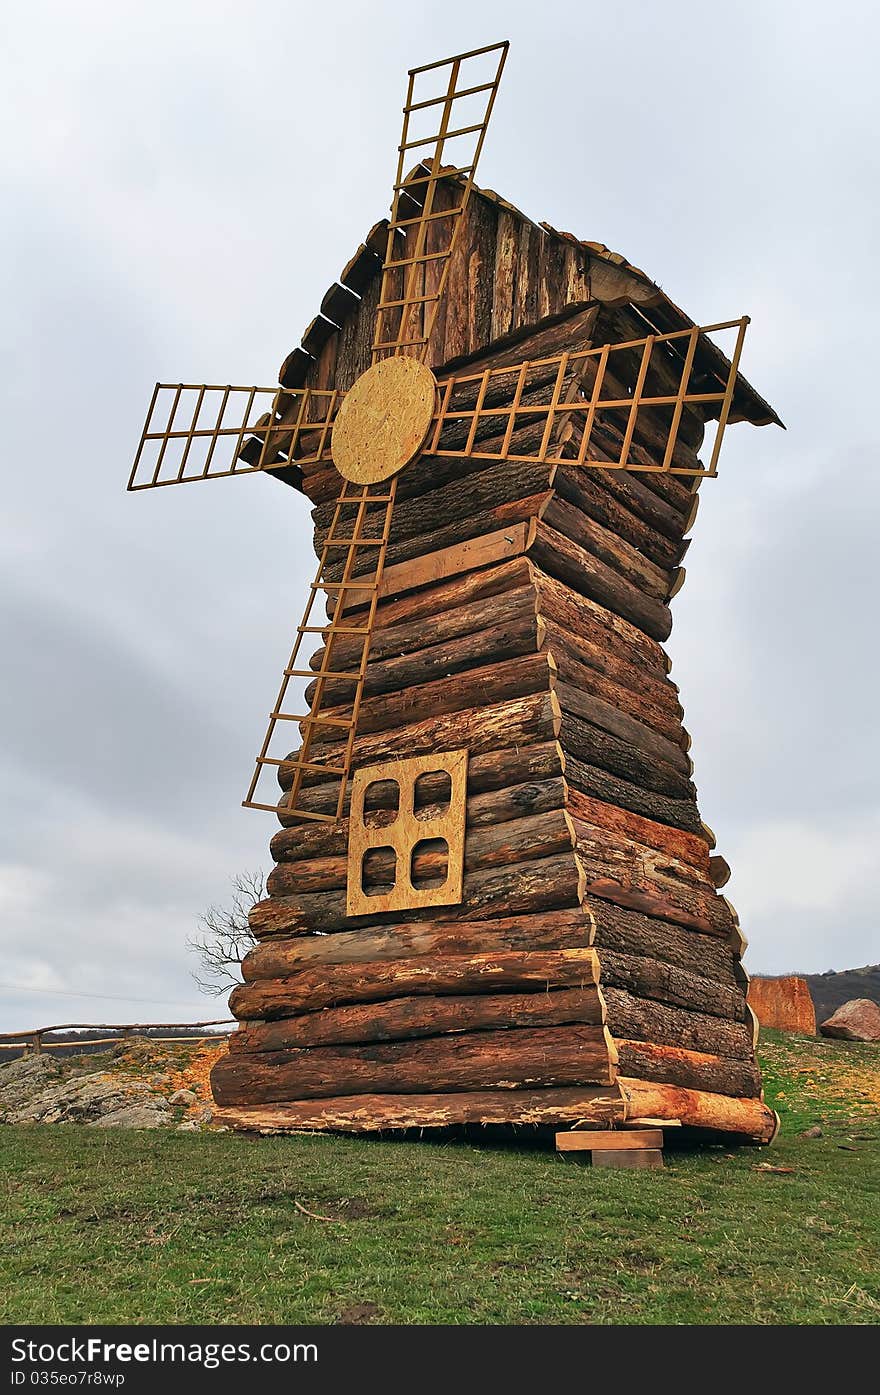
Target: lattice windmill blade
{"points": [[383, 423], [318, 718], [414, 285], [199, 431], [587, 408]]}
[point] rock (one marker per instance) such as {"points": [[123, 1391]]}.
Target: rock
{"points": [[132, 1116], [135, 1048], [857, 1020], [183, 1097], [783, 1003], [814, 1132], [22, 1079], [41, 1094]]}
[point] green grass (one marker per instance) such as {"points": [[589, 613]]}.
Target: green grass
{"points": [[117, 1226]]}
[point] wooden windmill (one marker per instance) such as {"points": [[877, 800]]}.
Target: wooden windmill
{"points": [[494, 899]]}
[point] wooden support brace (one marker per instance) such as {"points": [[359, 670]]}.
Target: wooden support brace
{"points": [[587, 1140], [640, 1148], [637, 1157]]}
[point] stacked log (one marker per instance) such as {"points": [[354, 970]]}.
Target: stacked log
{"points": [[592, 969]]}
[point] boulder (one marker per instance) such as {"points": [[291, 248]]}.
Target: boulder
{"points": [[38, 1093], [22, 1079], [857, 1020], [783, 1003], [132, 1116], [183, 1097]]}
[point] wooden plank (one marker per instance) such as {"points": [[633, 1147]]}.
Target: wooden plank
{"points": [[585, 1140], [316, 335], [637, 1157], [295, 368], [505, 264], [339, 303], [652, 1124], [359, 272], [481, 273], [463, 557]]}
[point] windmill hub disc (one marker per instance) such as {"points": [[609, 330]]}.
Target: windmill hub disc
{"points": [[383, 420]]}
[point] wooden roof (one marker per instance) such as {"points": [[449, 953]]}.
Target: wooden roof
{"points": [[604, 276]]}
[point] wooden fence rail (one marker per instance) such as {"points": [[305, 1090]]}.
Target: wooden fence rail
{"points": [[34, 1039]]}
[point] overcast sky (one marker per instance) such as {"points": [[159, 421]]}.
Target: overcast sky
{"points": [[182, 182]]}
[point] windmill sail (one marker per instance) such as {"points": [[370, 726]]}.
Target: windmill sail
{"points": [[422, 232], [349, 575], [421, 238], [199, 431]]}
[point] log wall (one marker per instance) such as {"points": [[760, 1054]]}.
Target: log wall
{"points": [[526, 623]]}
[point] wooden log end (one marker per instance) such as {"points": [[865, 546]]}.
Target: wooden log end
{"points": [[692, 514], [732, 911], [708, 834], [678, 580], [719, 871]]}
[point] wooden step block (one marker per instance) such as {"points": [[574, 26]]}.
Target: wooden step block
{"points": [[627, 1157], [590, 1140]]}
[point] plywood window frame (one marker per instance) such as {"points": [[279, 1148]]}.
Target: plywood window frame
{"points": [[405, 831]]}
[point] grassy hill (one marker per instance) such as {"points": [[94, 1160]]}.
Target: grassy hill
{"points": [[117, 1225], [831, 990]]}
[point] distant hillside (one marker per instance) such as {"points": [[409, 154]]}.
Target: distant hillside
{"points": [[829, 991]]}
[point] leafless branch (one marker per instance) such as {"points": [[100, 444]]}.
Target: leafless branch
{"points": [[224, 937]]}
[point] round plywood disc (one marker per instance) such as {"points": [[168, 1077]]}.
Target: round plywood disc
{"points": [[383, 420]]}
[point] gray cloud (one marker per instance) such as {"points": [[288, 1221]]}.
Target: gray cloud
{"points": [[184, 182]]}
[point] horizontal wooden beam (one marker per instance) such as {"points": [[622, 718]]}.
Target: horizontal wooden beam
{"points": [[456, 560], [373, 1113], [311, 988], [585, 1140], [514, 1057], [749, 1119]]}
